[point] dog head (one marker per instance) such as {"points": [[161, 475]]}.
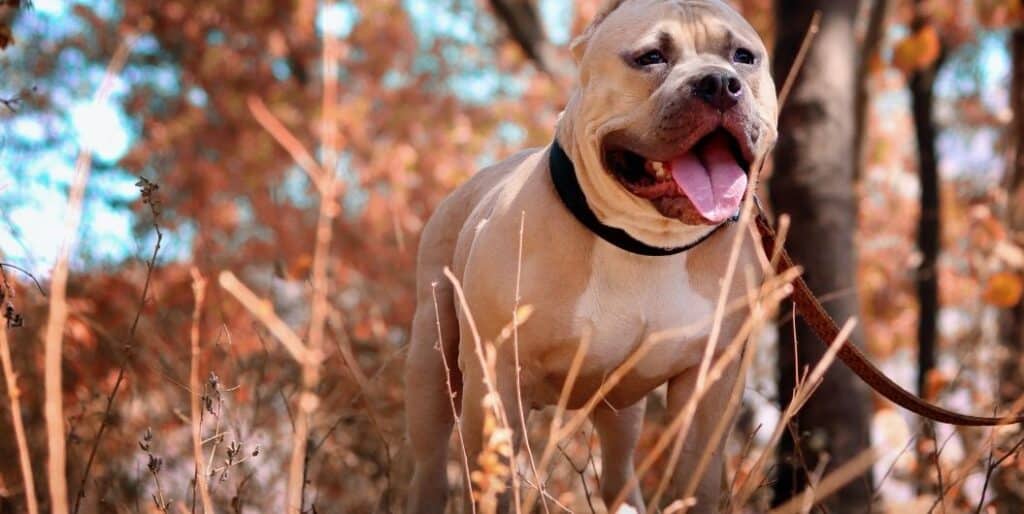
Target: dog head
{"points": [[675, 103]]}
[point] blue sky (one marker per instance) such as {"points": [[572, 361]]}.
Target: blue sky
{"points": [[35, 172], [37, 163], [35, 175]]}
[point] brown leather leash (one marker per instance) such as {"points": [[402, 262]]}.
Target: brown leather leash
{"points": [[822, 324]]}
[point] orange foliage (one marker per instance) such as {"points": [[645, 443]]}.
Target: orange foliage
{"points": [[917, 51]]}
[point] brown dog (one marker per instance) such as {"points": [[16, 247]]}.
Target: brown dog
{"points": [[674, 102]]}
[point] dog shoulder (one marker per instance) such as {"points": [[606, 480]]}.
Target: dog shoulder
{"points": [[464, 208]]}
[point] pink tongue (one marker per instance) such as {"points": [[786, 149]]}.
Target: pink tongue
{"points": [[712, 179]]}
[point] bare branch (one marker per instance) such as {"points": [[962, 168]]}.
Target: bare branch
{"points": [[199, 291], [53, 349], [19, 426], [264, 312]]}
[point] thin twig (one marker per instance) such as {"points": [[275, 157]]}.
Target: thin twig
{"points": [[964, 470], [212, 395], [518, 370], [264, 312], [547, 495], [148, 194], [158, 498], [930, 429], [199, 480], [53, 347], [561, 429], [783, 98], [725, 423], [451, 398], [563, 401], [801, 55], [774, 291], [344, 345], [26, 273], [892, 467], [582, 472], [990, 469], [743, 458], [803, 391], [154, 464], [760, 304], [287, 140], [487, 369], [845, 474], [12, 103], [321, 254], [13, 393], [357, 397], [309, 355]]}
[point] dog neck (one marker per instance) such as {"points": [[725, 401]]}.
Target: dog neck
{"points": [[563, 175]]}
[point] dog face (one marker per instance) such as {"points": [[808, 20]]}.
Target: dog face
{"points": [[676, 102]]}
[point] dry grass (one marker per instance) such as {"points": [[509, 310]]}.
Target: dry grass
{"points": [[13, 396], [531, 483], [200, 477]]}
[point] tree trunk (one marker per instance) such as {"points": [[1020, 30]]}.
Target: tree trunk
{"points": [[1012, 322], [929, 231], [814, 183], [1008, 482]]}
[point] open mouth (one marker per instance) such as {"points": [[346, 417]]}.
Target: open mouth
{"points": [[709, 178]]}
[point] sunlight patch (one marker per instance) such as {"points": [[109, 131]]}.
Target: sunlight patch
{"points": [[337, 20], [40, 230], [100, 128], [51, 7], [556, 15]]}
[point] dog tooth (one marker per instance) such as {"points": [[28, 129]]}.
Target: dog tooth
{"points": [[659, 169]]}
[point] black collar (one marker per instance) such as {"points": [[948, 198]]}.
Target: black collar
{"points": [[563, 174]]}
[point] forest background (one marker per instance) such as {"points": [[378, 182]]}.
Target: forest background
{"points": [[165, 165]]}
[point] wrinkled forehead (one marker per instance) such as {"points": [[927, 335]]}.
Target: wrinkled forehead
{"points": [[691, 23]]}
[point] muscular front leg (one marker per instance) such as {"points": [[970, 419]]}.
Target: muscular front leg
{"points": [[474, 414], [712, 407], [619, 431]]}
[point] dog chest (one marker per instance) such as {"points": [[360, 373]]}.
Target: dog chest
{"points": [[628, 299]]}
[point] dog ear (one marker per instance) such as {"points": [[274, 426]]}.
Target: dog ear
{"points": [[579, 45]]}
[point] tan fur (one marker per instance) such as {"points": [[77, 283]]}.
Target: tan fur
{"points": [[575, 281]]}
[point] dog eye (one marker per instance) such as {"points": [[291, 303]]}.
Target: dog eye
{"points": [[743, 56], [651, 58]]}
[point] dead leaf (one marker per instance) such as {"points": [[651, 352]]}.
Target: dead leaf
{"points": [[1003, 289], [917, 51], [934, 383]]}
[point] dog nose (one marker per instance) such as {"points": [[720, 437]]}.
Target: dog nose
{"points": [[721, 89]]}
